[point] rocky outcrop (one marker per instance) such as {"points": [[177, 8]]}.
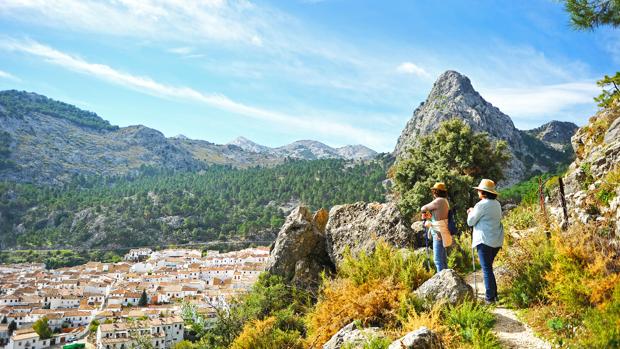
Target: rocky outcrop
{"points": [[422, 338], [556, 134], [590, 176], [353, 337], [359, 226], [446, 286], [299, 253], [453, 96]]}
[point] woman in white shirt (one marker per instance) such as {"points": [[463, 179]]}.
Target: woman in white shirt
{"points": [[488, 235]]}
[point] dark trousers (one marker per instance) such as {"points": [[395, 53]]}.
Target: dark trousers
{"points": [[486, 255]]}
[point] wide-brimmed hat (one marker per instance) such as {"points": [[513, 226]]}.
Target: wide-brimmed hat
{"points": [[439, 186], [487, 185]]}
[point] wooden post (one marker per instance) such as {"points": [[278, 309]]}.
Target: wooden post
{"points": [[541, 196], [563, 202]]}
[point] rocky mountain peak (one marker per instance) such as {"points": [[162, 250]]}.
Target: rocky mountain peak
{"points": [[453, 96], [555, 133], [452, 83]]}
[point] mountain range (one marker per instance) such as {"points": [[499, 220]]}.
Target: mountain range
{"points": [[49, 142]]}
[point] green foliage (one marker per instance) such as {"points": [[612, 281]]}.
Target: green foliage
{"points": [[42, 328], [270, 297], [522, 217], [544, 155], [611, 91], [59, 258], [602, 326], [527, 190], [474, 323], [184, 344], [219, 203], [143, 299], [18, 104], [94, 325], [454, 154], [459, 255], [385, 263], [526, 284], [589, 14]]}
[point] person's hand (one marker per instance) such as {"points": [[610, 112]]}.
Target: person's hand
{"points": [[469, 210]]}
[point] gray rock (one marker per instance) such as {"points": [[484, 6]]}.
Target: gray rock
{"points": [[446, 286], [360, 226], [422, 338], [453, 96], [299, 253], [613, 132], [353, 337]]}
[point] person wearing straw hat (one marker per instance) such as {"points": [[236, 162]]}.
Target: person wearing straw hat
{"points": [[437, 212], [488, 235]]}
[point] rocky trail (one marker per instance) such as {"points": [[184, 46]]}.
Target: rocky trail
{"points": [[511, 332]]}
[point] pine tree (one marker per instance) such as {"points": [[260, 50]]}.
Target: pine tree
{"points": [[143, 299]]}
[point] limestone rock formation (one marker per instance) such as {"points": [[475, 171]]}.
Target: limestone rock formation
{"points": [[299, 252], [453, 96], [556, 134], [446, 286], [359, 226], [597, 163], [422, 338], [353, 337]]}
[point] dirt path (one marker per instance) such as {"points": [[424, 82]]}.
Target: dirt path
{"points": [[511, 332]]}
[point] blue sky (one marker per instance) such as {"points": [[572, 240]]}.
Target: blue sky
{"points": [[338, 71]]}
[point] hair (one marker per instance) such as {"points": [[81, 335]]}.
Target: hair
{"points": [[487, 195], [440, 193]]}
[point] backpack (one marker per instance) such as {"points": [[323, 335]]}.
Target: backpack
{"points": [[452, 223]]}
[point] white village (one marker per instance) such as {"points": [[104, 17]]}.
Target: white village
{"points": [[119, 305]]}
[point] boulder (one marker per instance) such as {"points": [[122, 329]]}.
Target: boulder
{"points": [[446, 286], [299, 253], [422, 338], [359, 226], [353, 337]]}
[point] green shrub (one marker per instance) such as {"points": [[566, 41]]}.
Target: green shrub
{"points": [[522, 217], [459, 255], [385, 262], [526, 283], [473, 322], [603, 325]]}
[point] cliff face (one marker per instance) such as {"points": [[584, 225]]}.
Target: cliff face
{"points": [[453, 96], [592, 182]]}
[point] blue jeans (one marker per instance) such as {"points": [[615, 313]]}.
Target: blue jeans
{"points": [[439, 255], [486, 255]]}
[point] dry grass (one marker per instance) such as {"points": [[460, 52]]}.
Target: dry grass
{"points": [[342, 301]]}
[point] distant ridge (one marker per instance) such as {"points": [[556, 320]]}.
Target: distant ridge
{"points": [[308, 149], [49, 142]]}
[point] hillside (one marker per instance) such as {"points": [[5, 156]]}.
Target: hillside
{"points": [[453, 96], [164, 206], [49, 142]]}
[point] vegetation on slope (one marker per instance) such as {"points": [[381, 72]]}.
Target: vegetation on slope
{"points": [[159, 207], [19, 104], [375, 289]]}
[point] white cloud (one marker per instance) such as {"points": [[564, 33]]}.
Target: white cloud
{"points": [[536, 101], [412, 68], [149, 86], [9, 76], [184, 50]]}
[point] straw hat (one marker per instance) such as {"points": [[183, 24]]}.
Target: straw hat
{"points": [[439, 186], [487, 185]]}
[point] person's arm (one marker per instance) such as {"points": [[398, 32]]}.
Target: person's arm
{"points": [[474, 215], [431, 206]]}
